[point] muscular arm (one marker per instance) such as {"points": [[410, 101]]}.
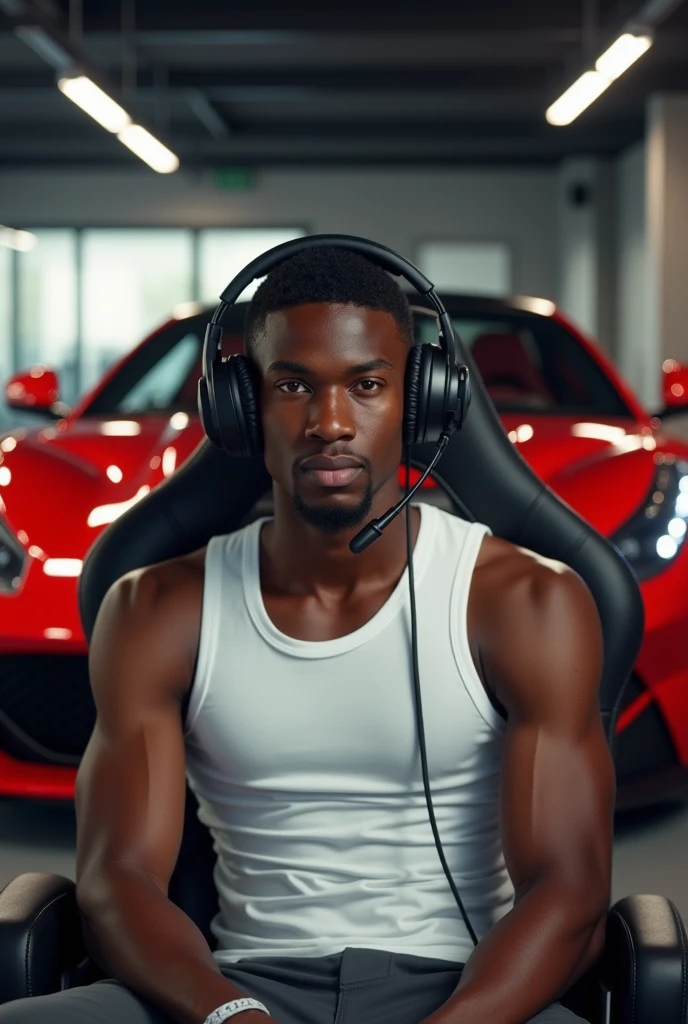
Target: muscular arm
{"points": [[130, 794], [543, 655]]}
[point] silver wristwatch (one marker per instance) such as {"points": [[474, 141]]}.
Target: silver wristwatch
{"points": [[228, 1010]]}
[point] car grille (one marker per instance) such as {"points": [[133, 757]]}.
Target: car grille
{"points": [[47, 712]]}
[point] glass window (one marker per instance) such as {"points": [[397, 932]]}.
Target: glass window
{"points": [[162, 374], [225, 251], [131, 280], [472, 268], [160, 387], [47, 313]]}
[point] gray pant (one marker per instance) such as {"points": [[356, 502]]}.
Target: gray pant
{"points": [[358, 986]]}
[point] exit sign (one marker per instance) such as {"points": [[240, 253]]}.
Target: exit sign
{"points": [[234, 179]]}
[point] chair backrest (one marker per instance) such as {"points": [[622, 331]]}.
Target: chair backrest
{"points": [[486, 479]]}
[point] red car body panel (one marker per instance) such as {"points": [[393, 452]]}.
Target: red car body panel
{"points": [[57, 497]]}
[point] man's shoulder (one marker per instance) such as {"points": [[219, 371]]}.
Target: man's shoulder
{"points": [[520, 581], [158, 589], [528, 607], [500, 556]]}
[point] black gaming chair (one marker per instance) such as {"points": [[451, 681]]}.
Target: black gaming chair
{"points": [[641, 977]]}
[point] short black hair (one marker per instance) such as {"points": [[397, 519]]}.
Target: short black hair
{"points": [[327, 274]]}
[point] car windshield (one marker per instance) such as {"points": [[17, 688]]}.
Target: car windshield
{"points": [[531, 363], [162, 375], [528, 363]]}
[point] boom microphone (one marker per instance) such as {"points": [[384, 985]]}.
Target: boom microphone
{"points": [[374, 528]]}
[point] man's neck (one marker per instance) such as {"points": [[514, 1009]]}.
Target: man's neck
{"points": [[300, 559]]}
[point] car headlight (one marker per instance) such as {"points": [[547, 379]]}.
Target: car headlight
{"points": [[653, 537], [12, 560]]}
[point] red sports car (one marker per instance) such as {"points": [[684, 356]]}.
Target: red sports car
{"points": [[560, 400]]}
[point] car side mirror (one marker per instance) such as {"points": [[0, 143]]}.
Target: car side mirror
{"points": [[674, 387], [35, 390]]}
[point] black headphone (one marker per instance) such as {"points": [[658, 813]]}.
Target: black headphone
{"points": [[437, 389], [437, 396]]}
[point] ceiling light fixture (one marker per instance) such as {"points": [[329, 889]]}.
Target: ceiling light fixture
{"points": [[84, 92], [96, 103], [148, 149], [20, 241], [622, 54], [591, 84]]}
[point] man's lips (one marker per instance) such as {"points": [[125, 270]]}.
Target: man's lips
{"points": [[332, 472], [330, 462]]}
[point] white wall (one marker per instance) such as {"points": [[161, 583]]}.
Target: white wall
{"points": [[400, 208], [586, 259], [636, 346], [667, 224]]}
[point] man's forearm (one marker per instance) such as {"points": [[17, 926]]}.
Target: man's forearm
{"points": [[526, 961], [136, 934]]}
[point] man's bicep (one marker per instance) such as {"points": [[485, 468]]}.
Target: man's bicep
{"points": [[130, 785], [558, 784], [557, 804]]}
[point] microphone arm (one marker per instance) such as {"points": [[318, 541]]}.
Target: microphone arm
{"points": [[374, 529]]}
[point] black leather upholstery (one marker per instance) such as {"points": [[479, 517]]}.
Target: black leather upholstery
{"points": [[653, 986], [645, 958]]}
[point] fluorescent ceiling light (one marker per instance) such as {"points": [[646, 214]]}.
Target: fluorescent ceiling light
{"points": [[101, 107], [22, 241], [613, 62], [148, 148], [621, 54], [577, 98]]}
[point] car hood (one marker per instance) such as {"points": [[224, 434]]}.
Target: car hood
{"points": [[90, 470], [64, 484], [603, 468]]}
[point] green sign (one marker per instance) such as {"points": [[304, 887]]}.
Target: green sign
{"points": [[234, 179]]}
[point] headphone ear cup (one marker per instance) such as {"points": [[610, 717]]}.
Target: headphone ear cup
{"points": [[243, 387], [205, 411], [428, 397], [412, 395]]}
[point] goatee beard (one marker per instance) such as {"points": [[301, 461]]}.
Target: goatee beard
{"points": [[334, 518]]}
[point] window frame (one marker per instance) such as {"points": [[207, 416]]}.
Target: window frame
{"points": [[16, 359]]}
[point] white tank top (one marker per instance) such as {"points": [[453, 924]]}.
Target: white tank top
{"points": [[305, 761]]}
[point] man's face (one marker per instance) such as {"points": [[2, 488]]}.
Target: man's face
{"points": [[332, 385]]}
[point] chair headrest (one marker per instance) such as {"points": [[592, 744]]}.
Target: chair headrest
{"points": [[482, 473]]}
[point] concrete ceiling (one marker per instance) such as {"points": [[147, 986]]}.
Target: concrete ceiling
{"points": [[313, 83]]}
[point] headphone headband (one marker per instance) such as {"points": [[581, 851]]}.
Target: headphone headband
{"points": [[374, 251]]}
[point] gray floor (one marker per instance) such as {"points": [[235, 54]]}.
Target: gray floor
{"points": [[649, 850]]}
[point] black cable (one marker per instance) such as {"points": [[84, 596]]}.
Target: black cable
{"points": [[419, 706]]}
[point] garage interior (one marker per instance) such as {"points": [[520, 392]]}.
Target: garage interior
{"points": [[423, 127]]}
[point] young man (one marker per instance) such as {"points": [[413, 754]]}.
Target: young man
{"points": [[273, 669]]}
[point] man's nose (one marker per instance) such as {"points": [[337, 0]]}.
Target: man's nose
{"points": [[330, 415]]}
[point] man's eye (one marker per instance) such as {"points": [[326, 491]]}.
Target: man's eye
{"points": [[289, 387]]}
